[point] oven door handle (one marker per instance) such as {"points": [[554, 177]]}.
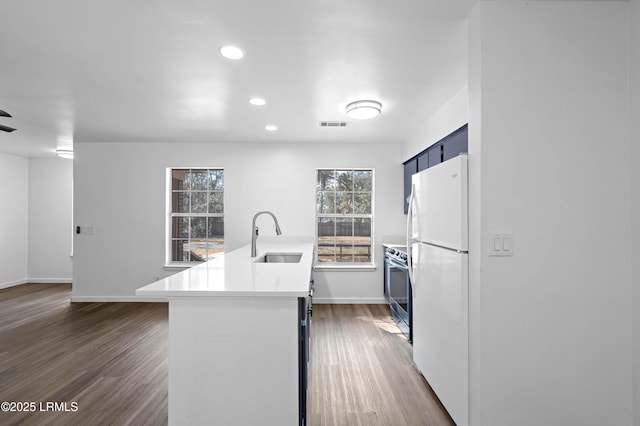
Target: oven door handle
{"points": [[394, 263]]}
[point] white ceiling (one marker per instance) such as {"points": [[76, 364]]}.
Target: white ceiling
{"points": [[124, 71]]}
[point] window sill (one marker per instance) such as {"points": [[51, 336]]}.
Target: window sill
{"points": [[345, 268], [181, 265]]}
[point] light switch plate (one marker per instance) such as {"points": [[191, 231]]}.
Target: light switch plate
{"points": [[500, 243], [86, 229]]}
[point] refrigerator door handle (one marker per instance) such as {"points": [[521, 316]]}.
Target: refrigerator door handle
{"points": [[410, 236]]}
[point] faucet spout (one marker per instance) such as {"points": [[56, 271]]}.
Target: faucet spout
{"points": [[254, 230]]}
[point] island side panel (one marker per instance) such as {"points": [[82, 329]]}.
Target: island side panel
{"points": [[233, 361]]}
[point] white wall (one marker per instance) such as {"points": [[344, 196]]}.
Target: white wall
{"points": [[549, 161], [14, 208], [50, 228], [634, 145], [120, 189], [449, 117]]}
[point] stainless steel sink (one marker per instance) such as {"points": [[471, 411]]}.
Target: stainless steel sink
{"points": [[279, 258]]}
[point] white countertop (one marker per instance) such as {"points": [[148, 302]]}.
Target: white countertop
{"points": [[236, 274]]}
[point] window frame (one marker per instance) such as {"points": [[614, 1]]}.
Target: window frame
{"points": [[170, 214], [370, 265]]}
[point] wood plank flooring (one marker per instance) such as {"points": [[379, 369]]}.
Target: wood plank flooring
{"points": [[111, 359], [362, 372]]}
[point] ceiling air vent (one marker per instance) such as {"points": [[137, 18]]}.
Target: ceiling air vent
{"points": [[333, 124]]}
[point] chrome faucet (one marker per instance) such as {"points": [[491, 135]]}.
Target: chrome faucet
{"points": [[254, 230]]}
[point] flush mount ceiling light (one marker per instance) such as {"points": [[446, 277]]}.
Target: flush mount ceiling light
{"points": [[271, 127], [65, 153], [232, 52], [257, 101], [364, 110]]}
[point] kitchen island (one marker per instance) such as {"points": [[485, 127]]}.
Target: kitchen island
{"points": [[238, 336]]}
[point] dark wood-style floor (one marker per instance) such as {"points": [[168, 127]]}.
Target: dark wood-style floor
{"points": [[111, 360]]}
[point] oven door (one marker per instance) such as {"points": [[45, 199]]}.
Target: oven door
{"points": [[397, 291]]}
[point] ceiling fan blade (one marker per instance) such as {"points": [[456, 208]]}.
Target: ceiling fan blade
{"points": [[4, 114], [6, 128]]}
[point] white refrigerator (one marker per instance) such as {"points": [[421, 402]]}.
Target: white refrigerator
{"points": [[437, 239]]}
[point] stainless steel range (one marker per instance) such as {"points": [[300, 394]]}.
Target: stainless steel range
{"points": [[397, 287]]}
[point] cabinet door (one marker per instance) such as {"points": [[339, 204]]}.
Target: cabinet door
{"points": [[423, 161], [410, 167], [435, 154], [456, 143]]}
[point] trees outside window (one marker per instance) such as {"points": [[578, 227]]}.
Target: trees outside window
{"points": [[196, 218], [344, 216]]}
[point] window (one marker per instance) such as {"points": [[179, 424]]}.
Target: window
{"points": [[196, 214], [344, 216]]}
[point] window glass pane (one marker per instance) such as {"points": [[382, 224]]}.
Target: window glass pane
{"points": [[362, 203], [215, 229], [180, 227], [198, 228], [179, 252], [326, 202], [180, 202], [206, 250], [326, 253], [216, 180], [344, 194], [178, 177], [362, 239], [187, 180], [326, 240], [197, 206], [215, 235], [216, 202], [215, 247], [344, 180], [344, 254], [199, 180], [326, 230], [362, 180], [344, 202], [197, 250], [344, 229], [362, 228], [198, 202], [326, 180], [344, 240]]}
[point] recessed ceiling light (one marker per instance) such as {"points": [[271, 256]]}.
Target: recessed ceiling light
{"points": [[271, 127], [364, 110], [257, 101], [231, 52]]}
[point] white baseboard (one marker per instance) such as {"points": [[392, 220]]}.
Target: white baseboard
{"points": [[318, 300], [349, 301], [50, 280], [117, 299], [13, 283], [36, 281]]}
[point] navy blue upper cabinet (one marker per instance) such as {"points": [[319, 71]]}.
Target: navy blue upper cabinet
{"points": [[448, 147], [456, 143], [423, 161], [410, 167], [435, 154]]}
